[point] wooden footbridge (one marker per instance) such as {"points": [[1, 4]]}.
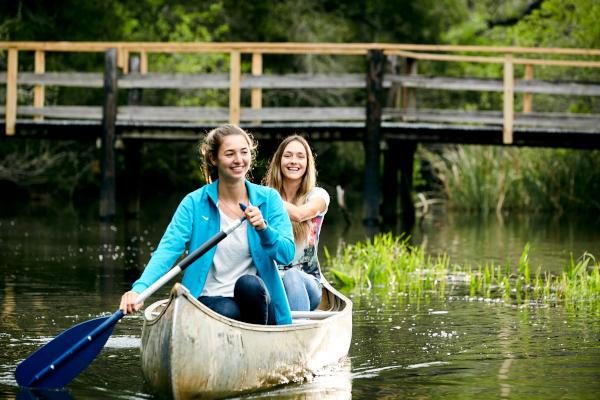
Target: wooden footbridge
{"points": [[383, 101]]}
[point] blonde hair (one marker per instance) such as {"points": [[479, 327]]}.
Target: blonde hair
{"points": [[274, 179], [209, 148]]}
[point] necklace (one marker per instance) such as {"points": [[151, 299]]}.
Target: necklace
{"points": [[231, 210]]}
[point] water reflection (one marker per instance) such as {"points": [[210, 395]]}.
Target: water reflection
{"points": [[40, 394]]}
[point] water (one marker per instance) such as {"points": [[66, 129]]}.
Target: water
{"points": [[66, 268]]}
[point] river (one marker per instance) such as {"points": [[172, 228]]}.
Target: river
{"points": [[63, 268]]}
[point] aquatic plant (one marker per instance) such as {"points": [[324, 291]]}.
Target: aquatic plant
{"points": [[388, 261], [492, 178]]}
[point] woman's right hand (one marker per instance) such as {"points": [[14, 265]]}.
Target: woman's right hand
{"points": [[128, 302]]}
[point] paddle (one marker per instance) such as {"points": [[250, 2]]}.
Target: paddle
{"points": [[55, 364]]}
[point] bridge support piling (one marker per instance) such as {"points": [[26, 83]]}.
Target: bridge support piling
{"points": [[371, 141], [398, 158], [406, 157], [391, 167], [107, 151], [133, 153]]}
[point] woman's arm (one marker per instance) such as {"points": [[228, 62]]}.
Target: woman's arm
{"points": [[277, 239], [314, 207], [318, 202]]}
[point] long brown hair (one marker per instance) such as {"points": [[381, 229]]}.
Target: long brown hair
{"points": [[274, 179], [209, 148]]}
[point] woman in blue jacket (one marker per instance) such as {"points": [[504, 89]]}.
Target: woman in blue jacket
{"points": [[238, 278]]}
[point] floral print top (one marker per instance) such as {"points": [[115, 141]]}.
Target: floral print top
{"points": [[306, 257]]}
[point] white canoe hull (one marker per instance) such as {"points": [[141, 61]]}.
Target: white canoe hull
{"points": [[189, 350]]}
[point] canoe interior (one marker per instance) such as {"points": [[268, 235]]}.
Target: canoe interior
{"points": [[331, 300]]}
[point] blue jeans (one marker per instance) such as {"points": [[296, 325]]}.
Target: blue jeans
{"points": [[303, 290], [250, 303]]}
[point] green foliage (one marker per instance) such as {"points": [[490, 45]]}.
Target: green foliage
{"points": [[390, 262], [48, 167], [484, 178]]}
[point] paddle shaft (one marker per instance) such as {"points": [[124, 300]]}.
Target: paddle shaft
{"points": [[186, 262], [113, 319]]}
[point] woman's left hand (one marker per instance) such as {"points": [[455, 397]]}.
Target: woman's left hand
{"points": [[255, 218]]}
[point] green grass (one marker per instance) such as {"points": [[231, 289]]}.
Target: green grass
{"points": [[390, 262], [493, 178]]}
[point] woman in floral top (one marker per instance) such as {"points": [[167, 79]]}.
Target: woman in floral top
{"points": [[292, 173]]}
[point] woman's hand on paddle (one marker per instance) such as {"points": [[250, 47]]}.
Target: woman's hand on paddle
{"points": [[255, 218], [128, 305]]}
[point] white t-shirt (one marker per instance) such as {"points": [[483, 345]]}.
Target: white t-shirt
{"points": [[232, 260], [306, 256]]}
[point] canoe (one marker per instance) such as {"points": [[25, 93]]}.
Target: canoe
{"points": [[188, 350]]}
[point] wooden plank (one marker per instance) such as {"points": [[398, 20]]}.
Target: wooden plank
{"points": [[38, 91], [234, 88], [63, 112], [303, 81], [175, 81], [494, 60], [123, 60], [451, 116], [408, 97], [286, 47], [66, 79], [256, 93], [329, 114], [190, 114], [478, 84], [147, 113], [527, 96], [143, 62], [508, 101], [11, 91], [304, 114]]}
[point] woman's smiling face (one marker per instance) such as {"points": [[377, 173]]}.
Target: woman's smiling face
{"points": [[293, 161], [234, 158]]}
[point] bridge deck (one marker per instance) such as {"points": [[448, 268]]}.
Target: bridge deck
{"points": [[569, 137]]}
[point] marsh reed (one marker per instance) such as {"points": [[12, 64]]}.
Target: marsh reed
{"points": [[388, 261]]}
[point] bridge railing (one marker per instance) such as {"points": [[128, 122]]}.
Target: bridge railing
{"points": [[405, 83]]}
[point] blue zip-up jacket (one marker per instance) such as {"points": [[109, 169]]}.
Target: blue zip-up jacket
{"points": [[197, 220]]}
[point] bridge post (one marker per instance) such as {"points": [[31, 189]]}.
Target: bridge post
{"points": [[406, 156], [398, 157], [107, 153], [372, 138], [10, 111], [133, 152], [391, 166]]}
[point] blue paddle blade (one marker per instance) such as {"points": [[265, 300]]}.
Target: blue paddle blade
{"points": [[56, 363]]}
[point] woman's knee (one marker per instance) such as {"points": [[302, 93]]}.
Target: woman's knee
{"points": [[292, 277], [222, 305], [250, 286]]}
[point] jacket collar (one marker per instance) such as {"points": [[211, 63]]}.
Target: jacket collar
{"points": [[257, 197]]}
